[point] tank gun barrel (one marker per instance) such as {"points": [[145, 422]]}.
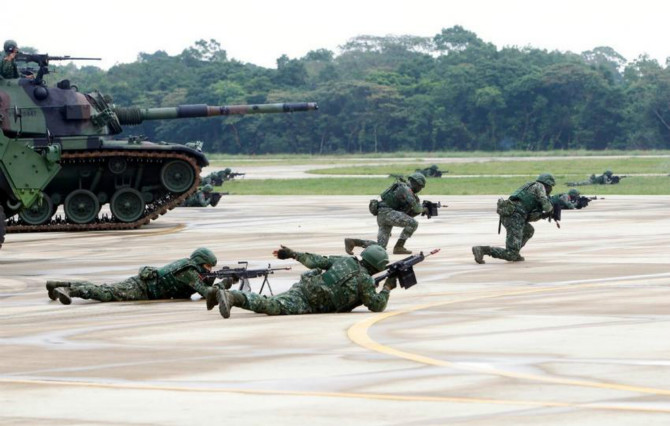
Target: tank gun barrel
{"points": [[134, 115]]}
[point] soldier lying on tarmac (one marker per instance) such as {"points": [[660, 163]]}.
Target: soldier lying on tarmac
{"points": [[335, 284], [177, 280]]}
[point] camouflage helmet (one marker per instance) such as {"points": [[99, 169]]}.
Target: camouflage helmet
{"points": [[573, 193], [433, 167], [207, 188], [227, 170], [608, 173], [203, 256], [546, 179], [375, 256], [419, 178], [10, 46]]}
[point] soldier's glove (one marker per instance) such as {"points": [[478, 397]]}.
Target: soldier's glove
{"points": [[390, 283], [426, 212], [285, 253]]}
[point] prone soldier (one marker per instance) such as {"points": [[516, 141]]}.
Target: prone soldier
{"points": [[334, 284], [432, 171], [606, 178], [203, 197], [177, 280]]}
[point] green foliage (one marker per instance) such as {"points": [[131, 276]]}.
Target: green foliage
{"points": [[452, 92]]}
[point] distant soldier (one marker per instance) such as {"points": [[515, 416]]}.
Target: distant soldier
{"points": [[398, 206], [177, 280], [335, 284], [527, 204], [8, 66], [604, 179], [203, 197], [567, 200], [432, 171]]}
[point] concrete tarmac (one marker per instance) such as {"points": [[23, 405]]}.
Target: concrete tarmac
{"points": [[576, 334]]}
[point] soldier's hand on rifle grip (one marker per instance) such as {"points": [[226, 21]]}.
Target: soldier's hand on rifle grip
{"points": [[390, 283], [284, 253]]}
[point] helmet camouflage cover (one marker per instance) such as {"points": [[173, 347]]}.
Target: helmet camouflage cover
{"points": [[10, 45], [573, 193], [419, 178], [546, 179], [608, 173], [207, 188], [203, 256], [375, 256]]}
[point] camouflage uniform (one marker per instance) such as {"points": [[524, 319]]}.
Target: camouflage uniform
{"points": [[336, 284], [432, 171], [8, 68], [203, 197], [527, 204], [564, 200], [604, 179]]}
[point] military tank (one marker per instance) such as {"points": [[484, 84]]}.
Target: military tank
{"points": [[57, 147]]}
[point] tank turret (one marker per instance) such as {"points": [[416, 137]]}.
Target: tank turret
{"points": [[57, 149]]}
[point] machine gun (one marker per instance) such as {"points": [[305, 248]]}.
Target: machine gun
{"points": [[583, 201], [404, 270], [244, 273], [430, 208], [42, 60]]}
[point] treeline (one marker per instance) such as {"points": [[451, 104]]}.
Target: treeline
{"points": [[382, 94]]}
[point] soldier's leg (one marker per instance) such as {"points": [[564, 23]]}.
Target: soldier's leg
{"points": [[514, 225], [528, 232], [409, 225], [291, 302], [129, 289], [350, 243]]}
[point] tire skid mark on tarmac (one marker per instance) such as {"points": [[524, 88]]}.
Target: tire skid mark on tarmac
{"points": [[358, 333]]}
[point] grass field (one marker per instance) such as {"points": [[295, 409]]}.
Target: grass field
{"points": [[644, 185]]}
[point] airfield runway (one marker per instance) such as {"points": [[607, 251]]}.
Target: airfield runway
{"points": [[576, 334]]}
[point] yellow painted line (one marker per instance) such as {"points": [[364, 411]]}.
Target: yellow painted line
{"points": [[358, 333], [352, 395]]}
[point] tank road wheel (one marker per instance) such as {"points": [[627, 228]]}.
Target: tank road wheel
{"points": [[81, 206], [127, 205], [2, 225], [39, 213], [177, 176]]}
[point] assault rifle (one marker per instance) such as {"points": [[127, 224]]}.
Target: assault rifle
{"points": [[583, 201], [430, 209], [244, 273], [404, 270], [233, 175], [42, 60], [616, 179]]}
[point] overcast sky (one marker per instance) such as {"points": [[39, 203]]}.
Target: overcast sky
{"points": [[261, 31]]}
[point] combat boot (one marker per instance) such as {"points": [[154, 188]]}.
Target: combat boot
{"points": [[399, 248], [53, 285], [350, 243], [63, 294], [211, 298], [479, 252], [224, 303]]}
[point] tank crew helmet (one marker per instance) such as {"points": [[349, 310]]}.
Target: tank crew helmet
{"points": [[573, 193], [203, 256], [546, 179], [207, 188], [375, 257], [10, 46], [608, 173], [417, 180]]}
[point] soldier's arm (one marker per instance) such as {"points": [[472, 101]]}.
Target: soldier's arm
{"points": [[541, 196], [376, 302], [312, 261], [195, 281], [412, 202]]}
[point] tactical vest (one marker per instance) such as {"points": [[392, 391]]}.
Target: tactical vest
{"points": [[525, 198], [167, 276], [389, 198], [326, 292]]}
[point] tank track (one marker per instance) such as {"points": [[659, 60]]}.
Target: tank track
{"points": [[153, 210]]}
